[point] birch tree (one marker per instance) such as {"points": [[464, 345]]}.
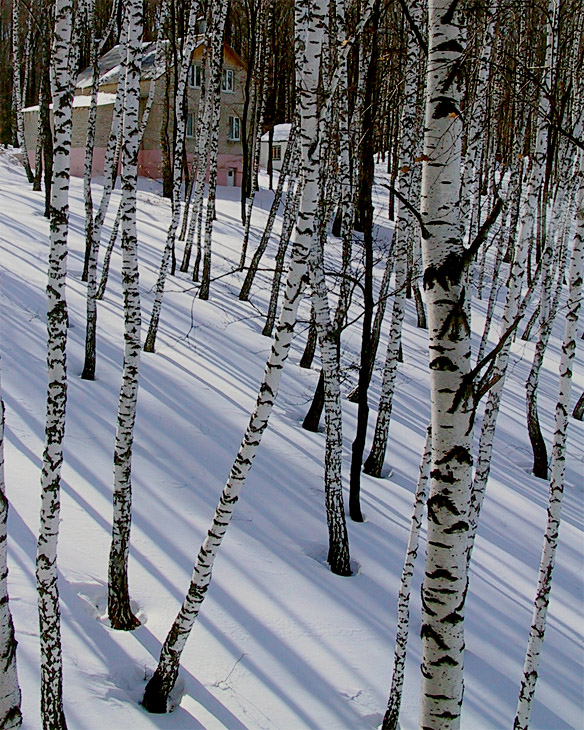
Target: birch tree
{"points": [[391, 717], [554, 511], [52, 713], [119, 610], [409, 187], [445, 263], [17, 90], [180, 124], [309, 28], [10, 714]]}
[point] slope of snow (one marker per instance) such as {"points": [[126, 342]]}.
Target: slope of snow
{"points": [[281, 643]]}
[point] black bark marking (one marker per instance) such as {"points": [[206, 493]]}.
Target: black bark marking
{"points": [[428, 632], [448, 273], [445, 108], [452, 46], [441, 573], [458, 453], [457, 527], [443, 364], [440, 502]]}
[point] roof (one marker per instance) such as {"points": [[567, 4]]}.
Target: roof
{"points": [[110, 64], [281, 133], [103, 99]]}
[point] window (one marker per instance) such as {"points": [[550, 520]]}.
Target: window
{"points": [[277, 152], [227, 80], [195, 76], [190, 129], [234, 129]]}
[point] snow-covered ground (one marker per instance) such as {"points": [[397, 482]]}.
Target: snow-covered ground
{"points": [[281, 643]]}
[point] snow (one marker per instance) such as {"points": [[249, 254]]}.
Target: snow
{"points": [[280, 641], [281, 133], [82, 100]]}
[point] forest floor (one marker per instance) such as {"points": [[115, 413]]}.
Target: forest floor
{"points": [[280, 643]]}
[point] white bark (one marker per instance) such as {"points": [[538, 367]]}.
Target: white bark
{"points": [[525, 243], [119, 610], [291, 207], [445, 265], [17, 87], [53, 717], [263, 244], [536, 636], [266, 23], [180, 122], [161, 684], [210, 101], [408, 154], [10, 714], [390, 720], [213, 142]]}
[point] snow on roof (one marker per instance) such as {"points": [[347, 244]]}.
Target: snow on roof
{"points": [[110, 63], [103, 99], [281, 133]]}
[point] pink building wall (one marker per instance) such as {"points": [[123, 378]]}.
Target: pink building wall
{"points": [[149, 164]]}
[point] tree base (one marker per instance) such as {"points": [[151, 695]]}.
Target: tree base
{"points": [[155, 698], [121, 616]]}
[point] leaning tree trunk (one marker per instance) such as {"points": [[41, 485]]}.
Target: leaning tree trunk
{"points": [[17, 89], [409, 187], [263, 244], [52, 713], [536, 636], [161, 684], [10, 714], [390, 720], [445, 268], [119, 610], [213, 146], [180, 119], [267, 18], [94, 224], [293, 192]]}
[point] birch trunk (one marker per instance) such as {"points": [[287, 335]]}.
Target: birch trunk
{"points": [[213, 143], [390, 720], [526, 236], [291, 205], [94, 225], [210, 99], [445, 265], [10, 714], [266, 23], [408, 153], [17, 88], [119, 610], [263, 244], [159, 687], [53, 717], [370, 50], [536, 636], [180, 122]]}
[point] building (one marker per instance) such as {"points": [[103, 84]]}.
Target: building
{"points": [[230, 158], [279, 144]]}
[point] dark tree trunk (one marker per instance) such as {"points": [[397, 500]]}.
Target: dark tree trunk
{"points": [[365, 206], [578, 412], [310, 349]]}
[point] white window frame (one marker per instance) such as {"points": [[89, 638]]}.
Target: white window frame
{"points": [[195, 75], [234, 129], [276, 152], [190, 125], [228, 81]]}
